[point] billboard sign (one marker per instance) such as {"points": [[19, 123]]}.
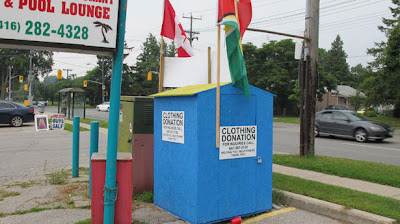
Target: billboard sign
{"points": [[69, 25]]}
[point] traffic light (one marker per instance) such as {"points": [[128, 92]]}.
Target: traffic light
{"points": [[21, 79], [26, 87], [149, 76], [59, 74], [84, 83], [7, 90]]}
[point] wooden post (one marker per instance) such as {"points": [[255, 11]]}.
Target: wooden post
{"points": [[161, 72], [310, 82], [209, 65], [218, 87]]}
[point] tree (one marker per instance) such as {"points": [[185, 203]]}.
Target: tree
{"points": [[42, 62], [381, 86], [147, 61], [336, 64], [273, 68], [360, 73], [391, 70]]}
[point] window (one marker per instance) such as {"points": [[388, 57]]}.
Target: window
{"points": [[327, 115], [339, 116], [4, 105]]}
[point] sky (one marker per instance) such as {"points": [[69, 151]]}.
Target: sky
{"points": [[356, 22]]}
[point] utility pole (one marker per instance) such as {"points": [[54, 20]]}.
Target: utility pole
{"points": [[191, 32], [67, 69], [30, 77], [308, 83]]}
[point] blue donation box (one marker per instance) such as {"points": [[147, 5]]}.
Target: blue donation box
{"points": [[198, 182]]}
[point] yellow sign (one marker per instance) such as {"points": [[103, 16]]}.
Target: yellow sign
{"points": [[59, 74], [21, 79], [84, 83], [149, 76]]}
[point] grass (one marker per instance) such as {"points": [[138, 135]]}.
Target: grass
{"points": [[36, 209], [102, 124], [343, 196], [4, 194], [288, 120], [277, 197], [146, 196], [24, 184], [86, 221], [392, 121], [58, 177], [68, 127], [355, 169]]}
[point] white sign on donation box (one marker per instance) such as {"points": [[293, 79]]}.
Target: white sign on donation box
{"points": [[237, 142], [57, 122], [68, 24], [173, 126]]}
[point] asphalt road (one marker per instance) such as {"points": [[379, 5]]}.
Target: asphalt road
{"points": [[286, 140], [90, 113]]}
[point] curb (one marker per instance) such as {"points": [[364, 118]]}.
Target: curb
{"points": [[333, 210]]}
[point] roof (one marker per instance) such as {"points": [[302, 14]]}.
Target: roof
{"points": [[188, 90], [347, 91], [72, 90]]}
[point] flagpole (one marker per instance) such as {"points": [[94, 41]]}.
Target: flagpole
{"points": [[217, 123], [161, 72], [238, 22]]}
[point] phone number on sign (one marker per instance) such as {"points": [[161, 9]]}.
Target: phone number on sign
{"points": [[44, 29]]}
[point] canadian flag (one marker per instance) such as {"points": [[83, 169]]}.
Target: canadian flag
{"points": [[172, 29]]}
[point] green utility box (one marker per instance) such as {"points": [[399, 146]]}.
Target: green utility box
{"points": [[136, 136]]}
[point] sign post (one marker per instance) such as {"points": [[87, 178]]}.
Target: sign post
{"points": [[69, 26], [110, 188]]}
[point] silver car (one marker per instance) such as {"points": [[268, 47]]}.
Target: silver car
{"points": [[349, 124]]}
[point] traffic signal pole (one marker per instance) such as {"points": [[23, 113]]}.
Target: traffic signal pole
{"points": [[30, 77], [9, 83]]}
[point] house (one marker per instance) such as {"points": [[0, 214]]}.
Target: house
{"points": [[340, 96]]}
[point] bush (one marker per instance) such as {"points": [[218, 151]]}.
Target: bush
{"points": [[372, 114]]}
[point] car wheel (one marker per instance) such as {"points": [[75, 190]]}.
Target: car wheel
{"points": [[316, 131], [108, 109], [361, 135], [16, 121]]}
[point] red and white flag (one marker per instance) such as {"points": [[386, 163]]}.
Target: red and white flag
{"points": [[172, 29]]}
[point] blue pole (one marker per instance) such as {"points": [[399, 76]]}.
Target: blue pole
{"points": [[110, 188], [75, 147], [94, 147]]}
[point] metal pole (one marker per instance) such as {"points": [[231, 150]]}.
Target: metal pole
{"points": [[30, 78], [110, 188], [102, 81], [94, 147], [9, 83], [75, 147]]}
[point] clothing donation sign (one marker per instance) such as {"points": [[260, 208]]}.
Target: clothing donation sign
{"points": [[73, 24]]}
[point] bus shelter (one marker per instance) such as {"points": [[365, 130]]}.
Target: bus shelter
{"points": [[72, 102]]}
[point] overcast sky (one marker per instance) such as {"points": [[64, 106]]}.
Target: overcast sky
{"points": [[355, 21]]}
